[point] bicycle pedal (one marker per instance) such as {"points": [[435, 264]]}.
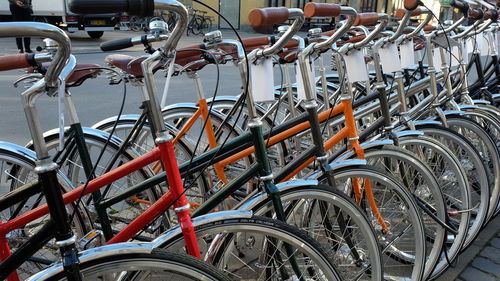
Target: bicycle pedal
{"points": [[92, 239]]}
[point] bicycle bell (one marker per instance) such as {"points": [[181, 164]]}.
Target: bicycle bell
{"points": [[213, 37], [282, 29], [314, 32], [158, 26]]}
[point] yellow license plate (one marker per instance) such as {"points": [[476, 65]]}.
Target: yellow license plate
{"points": [[98, 22]]}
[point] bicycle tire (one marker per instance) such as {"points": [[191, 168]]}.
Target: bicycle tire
{"points": [[455, 189], [476, 173], [303, 203], [488, 150], [420, 181], [409, 257], [141, 265], [11, 165], [235, 232]]}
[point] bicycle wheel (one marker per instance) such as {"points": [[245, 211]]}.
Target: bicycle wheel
{"points": [[337, 223], [454, 187], [16, 171], [488, 117], [258, 248], [197, 23], [420, 181], [488, 151], [138, 264], [123, 212], [477, 175], [206, 25], [403, 241]]}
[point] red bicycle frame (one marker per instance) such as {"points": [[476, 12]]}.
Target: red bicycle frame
{"points": [[175, 196]]}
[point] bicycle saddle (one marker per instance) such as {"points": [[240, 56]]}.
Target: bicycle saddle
{"points": [[79, 75], [128, 64]]}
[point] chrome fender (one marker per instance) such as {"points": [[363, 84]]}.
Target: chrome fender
{"points": [[127, 117], [407, 133], [86, 131], [453, 112], [252, 202], [338, 164], [481, 101], [29, 156], [165, 238], [99, 252], [427, 122]]}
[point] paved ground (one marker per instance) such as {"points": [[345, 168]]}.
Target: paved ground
{"points": [[481, 260]]}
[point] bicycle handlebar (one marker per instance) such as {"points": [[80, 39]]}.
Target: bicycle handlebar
{"points": [[491, 14], [18, 61], [321, 10], [476, 14], [411, 5], [140, 8], [10, 62], [117, 44], [27, 29], [400, 13], [124, 43], [263, 16], [462, 6], [367, 19]]}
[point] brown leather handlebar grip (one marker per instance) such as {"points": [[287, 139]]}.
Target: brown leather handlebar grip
{"points": [[400, 13], [429, 28], [366, 19], [17, 61], [476, 14], [262, 16], [411, 4], [321, 10], [256, 41], [491, 14]]}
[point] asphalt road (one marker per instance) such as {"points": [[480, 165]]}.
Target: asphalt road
{"points": [[96, 99]]}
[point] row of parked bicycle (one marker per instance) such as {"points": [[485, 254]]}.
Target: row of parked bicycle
{"points": [[341, 172]]}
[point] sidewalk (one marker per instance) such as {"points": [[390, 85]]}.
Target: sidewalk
{"points": [[481, 260]]}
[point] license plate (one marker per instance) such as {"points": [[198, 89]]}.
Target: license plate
{"points": [[98, 22]]}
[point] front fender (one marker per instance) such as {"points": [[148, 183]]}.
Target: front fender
{"points": [[99, 252], [165, 238], [251, 203], [367, 145]]}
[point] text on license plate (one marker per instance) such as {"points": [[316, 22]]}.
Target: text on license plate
{"points": [[98, 22]]}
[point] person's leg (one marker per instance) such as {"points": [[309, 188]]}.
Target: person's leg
{"points": [[27, 41], [14, 10], [19, 43], [26, 16]]}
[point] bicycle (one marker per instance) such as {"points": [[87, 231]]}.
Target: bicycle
{"points": [[199, 23]]}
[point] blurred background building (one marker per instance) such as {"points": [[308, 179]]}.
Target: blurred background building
{"points": [[236, 11]]}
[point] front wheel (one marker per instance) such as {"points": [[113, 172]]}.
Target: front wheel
{"points": [[258, 248], [158, 264]]}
